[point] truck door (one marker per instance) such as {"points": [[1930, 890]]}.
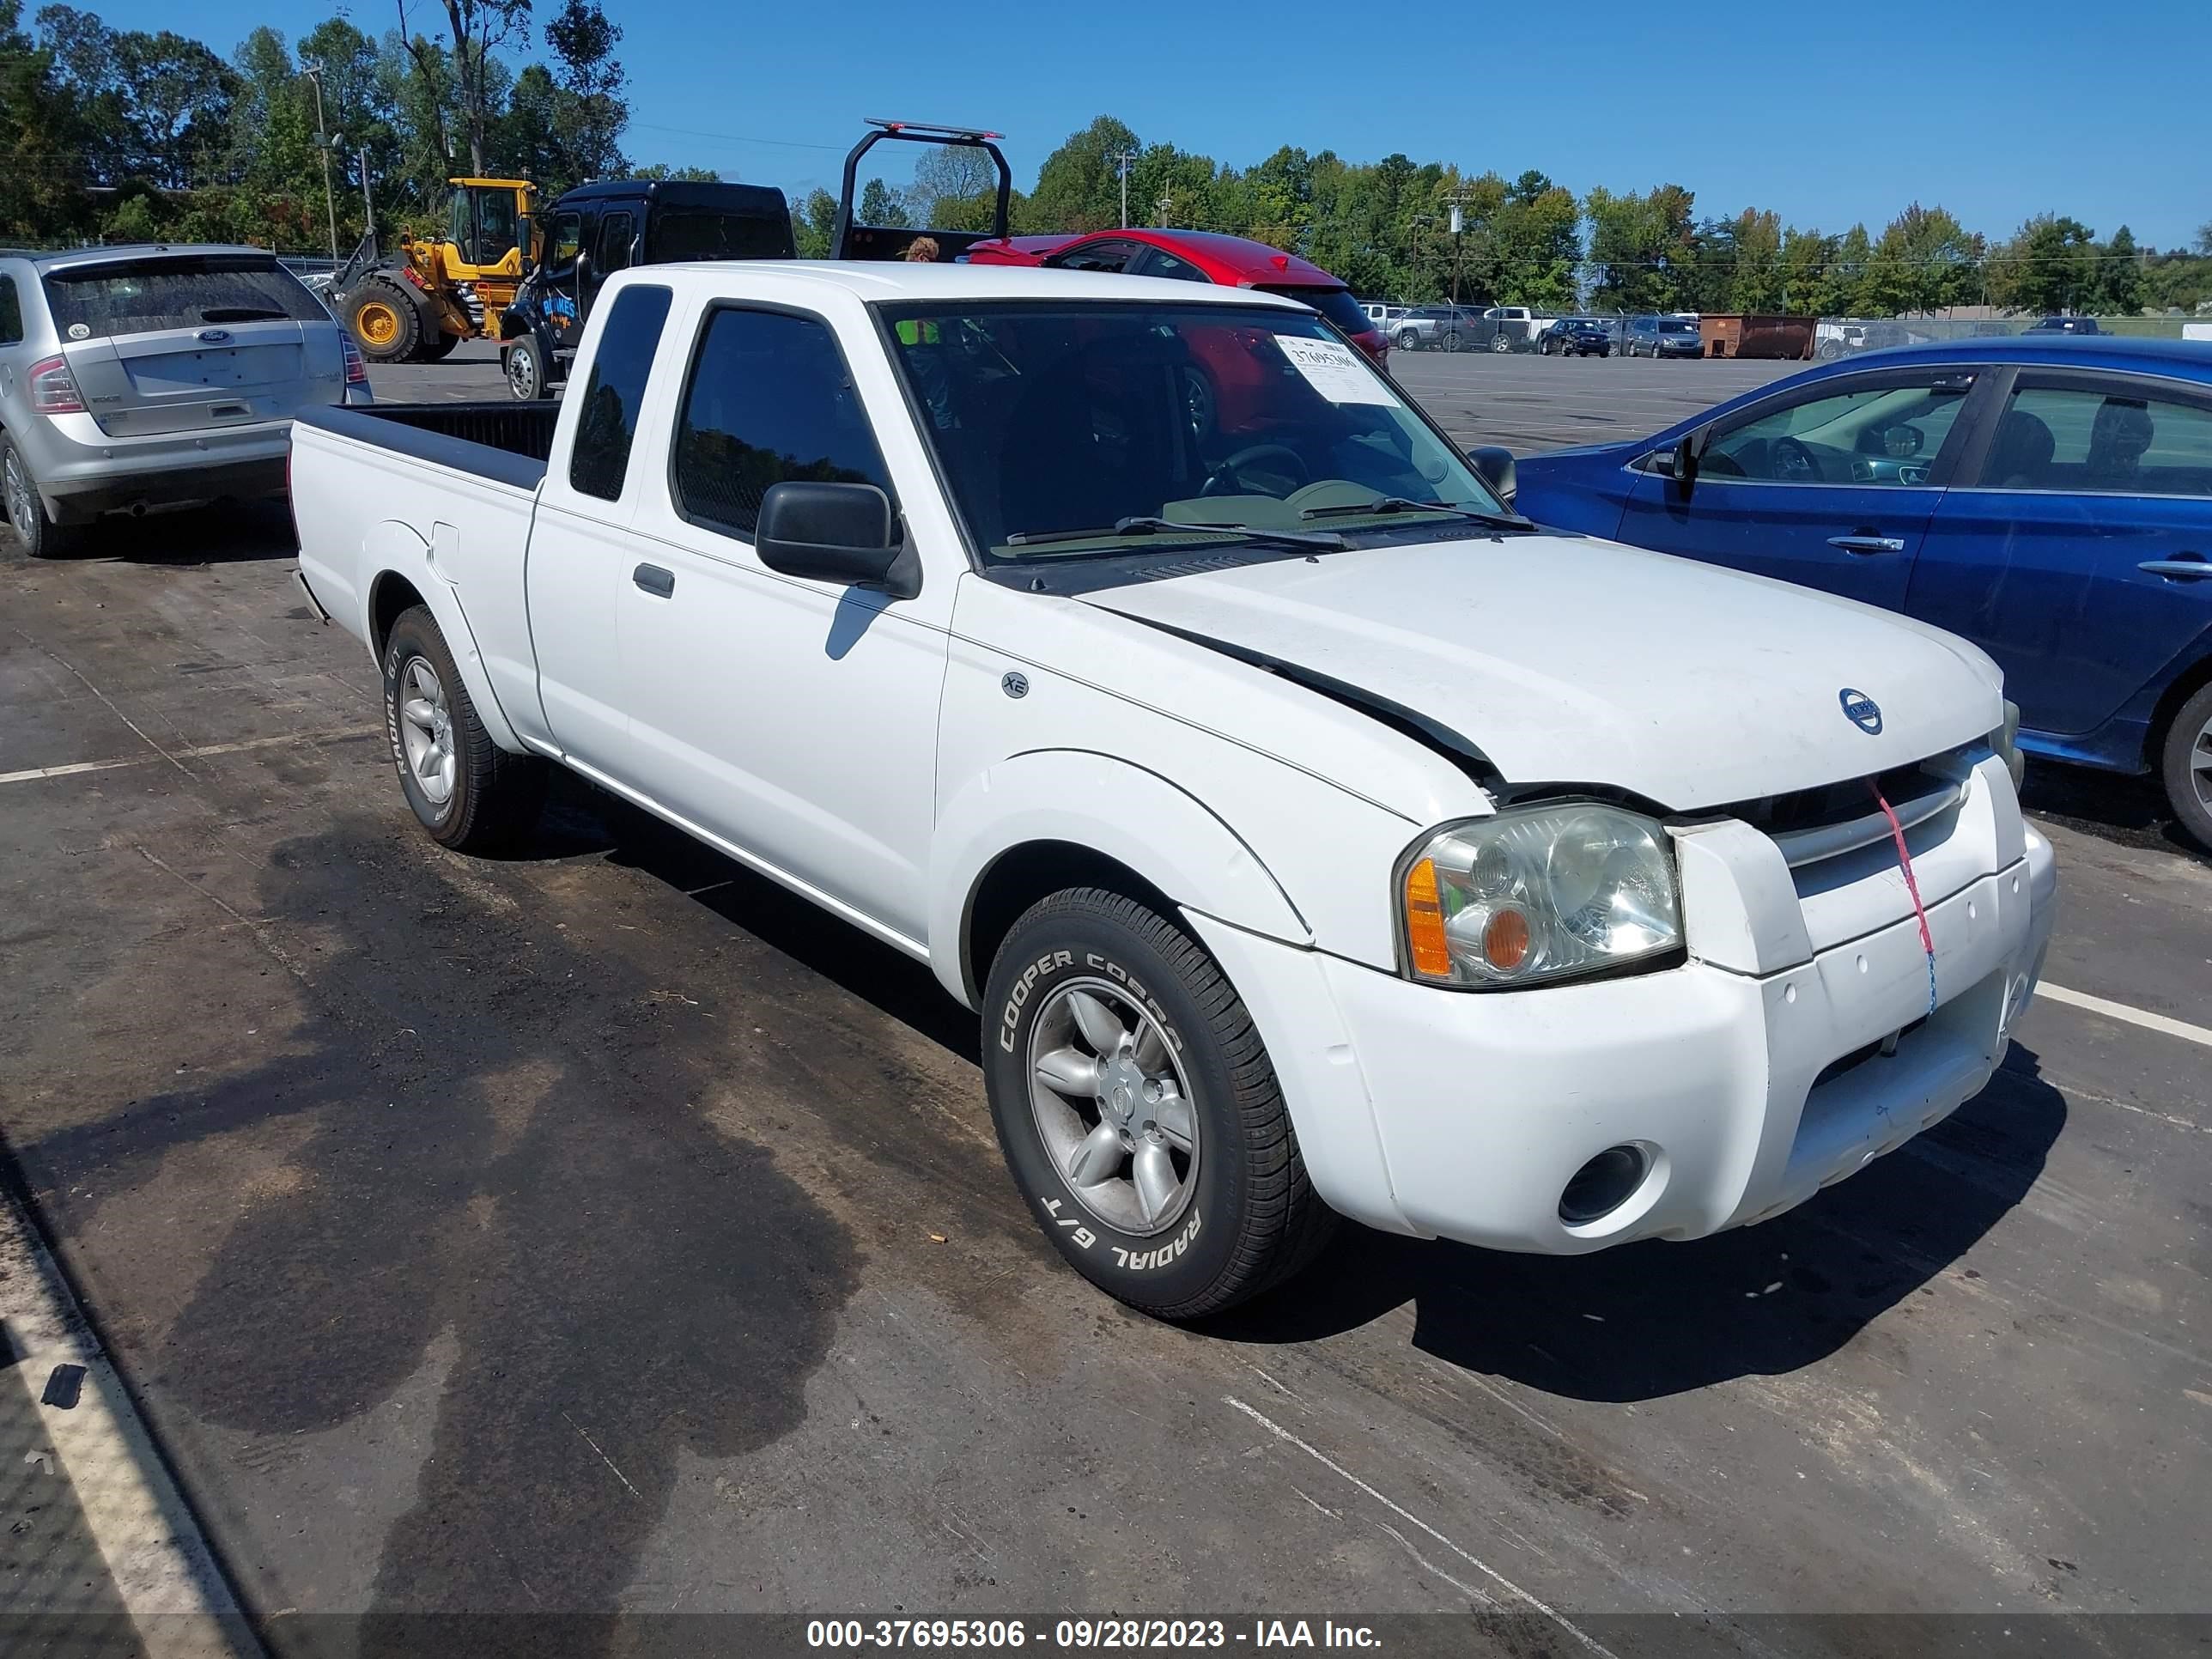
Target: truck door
{"points": [[559, 279], [613, 248], [795, 718], [581, 557]]}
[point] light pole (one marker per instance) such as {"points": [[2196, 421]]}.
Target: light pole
{"points": [[314, 73], [1121, 159]]}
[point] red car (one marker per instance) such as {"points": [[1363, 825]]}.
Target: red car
{"points": [[1196, 256]]}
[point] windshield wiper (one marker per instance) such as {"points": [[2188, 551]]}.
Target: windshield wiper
{"points": [[240, 314], [1145, 525], [1403, 504]]}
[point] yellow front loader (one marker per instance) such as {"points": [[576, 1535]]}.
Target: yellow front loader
{"points": [[417, 304]]}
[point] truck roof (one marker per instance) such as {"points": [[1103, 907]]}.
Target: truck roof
{"points": [[883, 282]]}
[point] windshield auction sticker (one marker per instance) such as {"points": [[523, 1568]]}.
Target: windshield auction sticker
{"points": [[1333, 369]]}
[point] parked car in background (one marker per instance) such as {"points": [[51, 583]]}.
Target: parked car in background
{"points": [[2047, 498], [2064, 325], [155, 376], [1576, 337], [1201, 256], [1438, 328], [1517, 327], [1662, 336]]}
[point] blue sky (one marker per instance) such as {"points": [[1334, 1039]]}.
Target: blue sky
{"points": [[1828, 115]]}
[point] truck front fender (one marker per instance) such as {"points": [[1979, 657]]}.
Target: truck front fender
{"points": [[397, 553], [1104, 806]]}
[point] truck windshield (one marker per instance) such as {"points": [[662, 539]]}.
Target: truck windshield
{"points": [[1065, 431]]}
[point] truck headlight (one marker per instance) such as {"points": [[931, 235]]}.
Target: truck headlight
{"points": [[2006, 741], [1537, 893]]}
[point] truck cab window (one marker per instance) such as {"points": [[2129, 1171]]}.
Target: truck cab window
{"points": [[768, 400], [617, 234], [563, 238], [607, 420]]}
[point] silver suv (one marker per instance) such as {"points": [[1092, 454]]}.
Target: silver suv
{"points": [[144, 377]]}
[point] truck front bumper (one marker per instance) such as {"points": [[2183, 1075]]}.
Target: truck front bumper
{"points": [[1737, 1095]]}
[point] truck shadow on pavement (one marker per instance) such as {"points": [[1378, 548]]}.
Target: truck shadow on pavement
{"points": [[222, 532], [503, 1164], [1655, 1319]]}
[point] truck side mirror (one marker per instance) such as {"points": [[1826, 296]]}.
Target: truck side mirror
{"points": [[1494, 466], [835, 533]]}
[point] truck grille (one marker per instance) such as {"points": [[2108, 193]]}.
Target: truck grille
{"points": [[1811, 826]]}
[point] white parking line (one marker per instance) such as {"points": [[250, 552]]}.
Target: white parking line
{"points": [[1513, 1590], [32, 774], [2120, 1011]]}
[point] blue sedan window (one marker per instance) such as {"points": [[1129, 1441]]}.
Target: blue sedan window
{"points": [[2082, 440]]}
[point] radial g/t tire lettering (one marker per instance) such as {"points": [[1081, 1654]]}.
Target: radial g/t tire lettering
{"points": [[1093, 997]]}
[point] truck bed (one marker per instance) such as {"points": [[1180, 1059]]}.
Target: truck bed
{"points": [[506, 440]]}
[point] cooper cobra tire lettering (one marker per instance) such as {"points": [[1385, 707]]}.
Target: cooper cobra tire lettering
{"points": [[1011, 1014]]}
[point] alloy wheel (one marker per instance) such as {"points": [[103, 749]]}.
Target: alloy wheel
{"points": [[426, 731], [1113, 1106]]}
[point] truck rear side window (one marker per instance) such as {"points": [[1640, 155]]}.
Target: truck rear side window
{"points": [[770, 400], [608, 421]]}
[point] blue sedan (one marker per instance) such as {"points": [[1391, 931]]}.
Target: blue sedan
{"points": [[2048, 498]]}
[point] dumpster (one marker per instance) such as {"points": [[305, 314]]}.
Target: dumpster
{"points": [[1741, 334]]}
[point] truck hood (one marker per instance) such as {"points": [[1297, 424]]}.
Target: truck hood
{"points": [[1565, 660]]}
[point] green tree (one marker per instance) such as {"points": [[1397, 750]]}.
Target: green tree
{"points": [[880, 205], [811, 223], [955, 187], [1078, 188], [1640, 247], [2050, 264], [42, 140], [2120, 278], [476, 31], [661, 172], [1924, 261], [589, 108]]}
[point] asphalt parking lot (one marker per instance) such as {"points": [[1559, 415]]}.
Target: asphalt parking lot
{"points": [[602, 1230]]}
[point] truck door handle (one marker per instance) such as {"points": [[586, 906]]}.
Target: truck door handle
{"points": [[654, 580], [1865, 545], [2190, 567]]}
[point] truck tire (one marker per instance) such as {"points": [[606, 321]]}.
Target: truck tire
{"points": [[471, 794], [41, 537], [1138, 1112], [385, 320], [2188, 766], [1501, 341], [523, 365], [1409, 339]]}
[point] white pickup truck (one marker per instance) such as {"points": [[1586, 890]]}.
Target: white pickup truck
{"points": [[1312, 834]]}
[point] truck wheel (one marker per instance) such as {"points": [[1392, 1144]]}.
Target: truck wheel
{"points": [[1501, 341], [1409, 340], [471, 794], [525, 370], [2188, 766], [385, 320], [1139, 1111], [42, 538]]}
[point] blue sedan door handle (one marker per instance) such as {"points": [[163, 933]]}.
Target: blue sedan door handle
{"points": [[2190, 567], [654, 580], [1865, 545]]}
